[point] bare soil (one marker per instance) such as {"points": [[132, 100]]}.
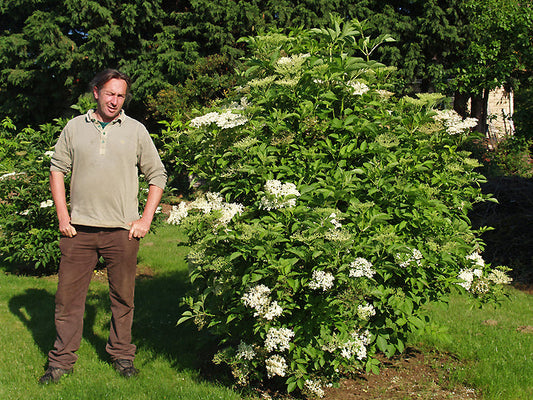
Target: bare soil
{"points": [[413, 375]]}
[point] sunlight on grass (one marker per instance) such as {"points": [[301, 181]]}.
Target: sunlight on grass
{"points": [[169, 357], [495, 352], [493, 343]]}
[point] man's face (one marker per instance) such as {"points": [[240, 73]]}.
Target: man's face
{"points": [[110, 99]]}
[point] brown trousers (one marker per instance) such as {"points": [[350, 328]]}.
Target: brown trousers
{"points": [[79, 256]]}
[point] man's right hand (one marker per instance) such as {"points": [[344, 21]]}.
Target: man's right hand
{"points": [[67, 230]]}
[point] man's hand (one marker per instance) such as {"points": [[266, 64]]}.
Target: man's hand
{"points": [[139, 228], [67, 230]]}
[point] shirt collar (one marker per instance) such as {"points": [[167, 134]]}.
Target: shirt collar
{"points": [[90, 117]]}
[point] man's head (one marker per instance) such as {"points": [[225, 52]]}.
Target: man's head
{"points": [[110, 89]]}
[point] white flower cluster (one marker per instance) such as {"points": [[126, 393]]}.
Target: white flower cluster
{"points": [[49, 153], [467, 276], [361, 267], [276, 365], [357, 88], [294, 59], [384, 94], [47, 203], [258, 298], [208, 203], [473, 280], [356, 346], [365, 311], [290, 66], [314, 387], [279, 195], [454, 123], [278, 339], [499, 277], [10, 175], [415, 257], [321, 280], [338, 235], [224, 120], [177, 213], [245, 351], [333, 220], [476, 259]]}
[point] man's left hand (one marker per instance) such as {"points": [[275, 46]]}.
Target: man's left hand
{"points": [[139, 229]]}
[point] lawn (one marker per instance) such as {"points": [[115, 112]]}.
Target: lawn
{"points": [[492, 347], [169, 357]]}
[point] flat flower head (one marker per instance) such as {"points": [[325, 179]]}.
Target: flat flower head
{"points": [[357, 88], [47, 203], [177, 214], [365, 311], [476, 259], [278, 339], [499, 277], [245, 351], [361, 267], [276, 365], [279, 195], [321, 280]]}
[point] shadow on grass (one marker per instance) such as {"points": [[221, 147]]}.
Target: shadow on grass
{"points": [[156, 313], [157, 310], [35, 308]]}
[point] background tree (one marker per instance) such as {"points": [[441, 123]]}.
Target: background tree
{"points": [[182, 54], [49, 50], [497, 53]]}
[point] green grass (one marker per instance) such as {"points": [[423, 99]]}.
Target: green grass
{"points": [[496, 353], [169, 357], [175, 361]]}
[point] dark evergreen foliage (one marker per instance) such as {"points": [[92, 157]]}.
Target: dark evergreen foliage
{"points": [[50, 49]]}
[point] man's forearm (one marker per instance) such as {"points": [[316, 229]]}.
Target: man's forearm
{"points": [[152, 202], [57, 187]]}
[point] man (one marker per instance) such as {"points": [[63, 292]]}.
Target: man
{"points": [[103, 150]]}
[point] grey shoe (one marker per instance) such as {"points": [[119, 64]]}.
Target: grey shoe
{"points": [[125, 368], [53, 374]]}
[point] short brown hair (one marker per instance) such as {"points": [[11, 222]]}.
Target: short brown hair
{"points": [[106, 75]]}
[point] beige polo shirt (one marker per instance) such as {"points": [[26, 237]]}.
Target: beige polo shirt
{"points": [[105, 165]]}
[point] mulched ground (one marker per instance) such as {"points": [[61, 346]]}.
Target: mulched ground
{"points": [[413, 375]]}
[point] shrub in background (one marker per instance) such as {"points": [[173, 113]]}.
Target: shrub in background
{"points": [[28, 222], [329, 211]]}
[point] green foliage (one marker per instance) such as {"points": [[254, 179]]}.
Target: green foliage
{"points": [[210, 78], [511, 156], [28, 223], [524, 110], [49, 51], [499, 42], [332, 211]]}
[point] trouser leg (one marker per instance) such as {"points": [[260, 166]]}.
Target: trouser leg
{"points": [[120, 255], [78, 259]]}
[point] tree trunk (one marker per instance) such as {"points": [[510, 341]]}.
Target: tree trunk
{"points": [[479, 110], [460, 103]]}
